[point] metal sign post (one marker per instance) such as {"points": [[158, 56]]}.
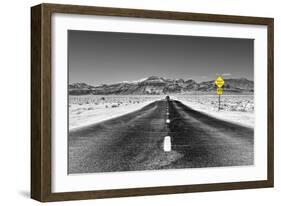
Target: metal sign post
{"points": [[219, 82]]}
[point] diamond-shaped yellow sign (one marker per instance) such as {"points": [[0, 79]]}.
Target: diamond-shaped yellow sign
{"points": [[219, 91], [219, 81]]}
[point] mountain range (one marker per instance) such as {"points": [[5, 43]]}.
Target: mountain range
{"points": [[159, 85]]}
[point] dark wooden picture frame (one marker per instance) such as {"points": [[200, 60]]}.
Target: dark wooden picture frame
{"points": [[41, 117]]}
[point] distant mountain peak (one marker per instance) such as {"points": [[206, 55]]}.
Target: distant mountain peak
{"points": [[135, 81], [153, 77], [140, 80]]}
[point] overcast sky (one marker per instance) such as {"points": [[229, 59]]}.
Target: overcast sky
{"points": [[108, 57]]}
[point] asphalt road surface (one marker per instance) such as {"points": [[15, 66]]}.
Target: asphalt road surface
{"points": [[135, 141]]}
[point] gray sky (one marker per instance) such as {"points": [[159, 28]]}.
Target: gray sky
{"points": [[108, 57]]}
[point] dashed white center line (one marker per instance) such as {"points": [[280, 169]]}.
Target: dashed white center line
{"points": [[167, 140], [167, 144]]}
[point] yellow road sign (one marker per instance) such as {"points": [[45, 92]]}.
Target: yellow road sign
{"points": [[219, 91], [219, 81]]}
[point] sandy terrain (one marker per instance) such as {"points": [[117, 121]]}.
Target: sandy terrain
{"points": [[234, 108], [89, 109]]}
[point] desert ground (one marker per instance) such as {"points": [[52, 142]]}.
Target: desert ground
{"points": [[89, 109]]}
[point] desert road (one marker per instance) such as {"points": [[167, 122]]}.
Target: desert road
{"points": [[135, 141]]}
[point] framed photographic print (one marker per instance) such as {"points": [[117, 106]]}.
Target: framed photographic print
{"points": [[132, 102]]}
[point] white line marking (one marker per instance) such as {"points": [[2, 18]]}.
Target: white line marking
{"points": [[167, 144], [167, 121]]}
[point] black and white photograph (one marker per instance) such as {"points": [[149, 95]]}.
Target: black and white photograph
{"points": [[140, 102]]}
